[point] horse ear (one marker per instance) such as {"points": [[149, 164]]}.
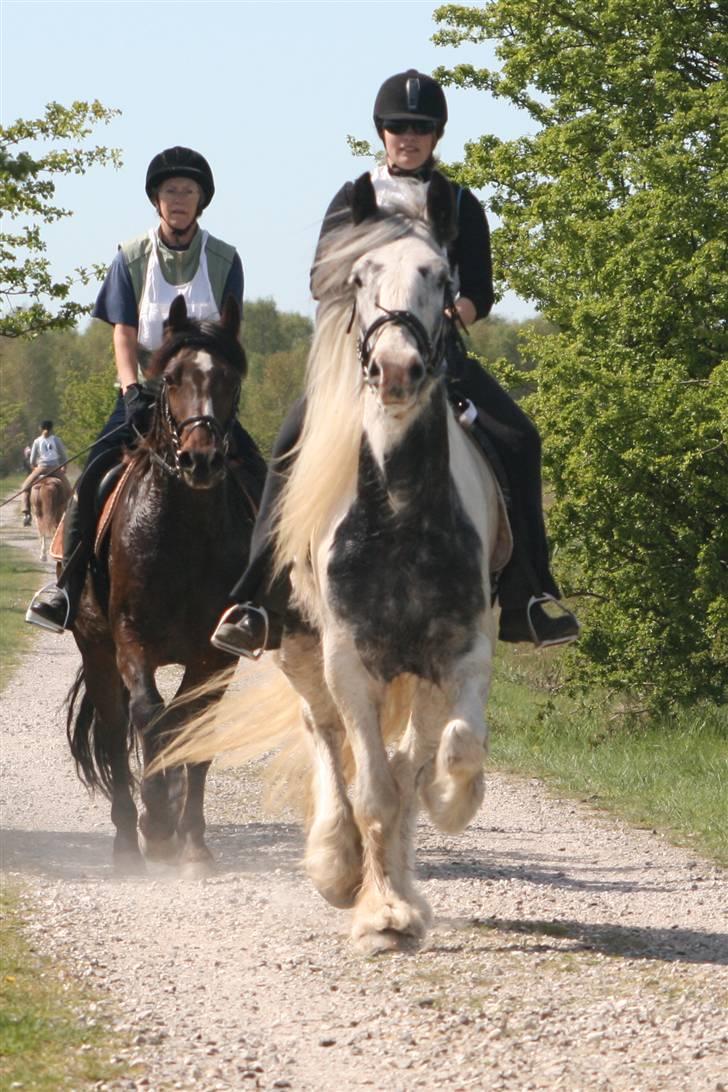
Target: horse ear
{"points": [[364, 199], [230, 317], [441, 210], [177, 319]]}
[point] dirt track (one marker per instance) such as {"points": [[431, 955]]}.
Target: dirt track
{"points": [[569, 951]]}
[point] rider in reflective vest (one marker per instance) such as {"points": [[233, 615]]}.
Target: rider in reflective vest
{"points": [[410, 113], [175, 258]]}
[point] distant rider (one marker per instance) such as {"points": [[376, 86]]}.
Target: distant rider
{"points": [[46, 457]]}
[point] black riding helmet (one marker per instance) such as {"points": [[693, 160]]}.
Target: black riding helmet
{"points": [[180, 162], [410, 94]]}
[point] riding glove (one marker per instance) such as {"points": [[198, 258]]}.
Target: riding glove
{"points": [[137, 404]]}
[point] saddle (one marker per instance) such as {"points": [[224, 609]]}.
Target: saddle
{"points": [[107, 496]]}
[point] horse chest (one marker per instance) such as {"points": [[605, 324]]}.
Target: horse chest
{"points": [[408, 584]]}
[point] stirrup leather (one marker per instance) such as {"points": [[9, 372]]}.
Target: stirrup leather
{"points": [[218, 641], [45, 623], [536, 600]]}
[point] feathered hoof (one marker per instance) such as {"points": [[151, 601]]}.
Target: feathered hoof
{"points": [[388, 940], [334, 865], [453, 785], [389, 924], [341, 895]]}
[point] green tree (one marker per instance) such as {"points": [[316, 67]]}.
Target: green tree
{"points": [[614, 220], [32, 299]]}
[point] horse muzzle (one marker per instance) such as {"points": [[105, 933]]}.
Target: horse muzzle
{"points": [[201, 469], [396, 383]]}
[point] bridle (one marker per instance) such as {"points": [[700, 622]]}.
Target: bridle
{"points": [[173, 430], [431, 349]]}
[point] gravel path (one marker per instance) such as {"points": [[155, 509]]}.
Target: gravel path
{"points": [[569, 951]]}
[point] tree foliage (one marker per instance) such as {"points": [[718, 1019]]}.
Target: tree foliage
{"points": [[32, 299], [614, 220]]}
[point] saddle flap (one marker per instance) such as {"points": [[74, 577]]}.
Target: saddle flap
{"points": [[503, 545], [109, 492]]}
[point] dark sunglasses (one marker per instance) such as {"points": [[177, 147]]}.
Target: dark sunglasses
{"points": [[420, 126]]}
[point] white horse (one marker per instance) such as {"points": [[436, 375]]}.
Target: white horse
{"points": [[389, 525]]}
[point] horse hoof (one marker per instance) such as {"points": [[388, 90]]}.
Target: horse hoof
{"points": [[199, 869], [386, 940], [129, 863]]}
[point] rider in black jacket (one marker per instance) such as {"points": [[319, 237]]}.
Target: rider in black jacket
{"points": [[410, 113]]}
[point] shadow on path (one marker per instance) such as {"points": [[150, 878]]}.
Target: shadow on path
{"points": [[606, 938]]}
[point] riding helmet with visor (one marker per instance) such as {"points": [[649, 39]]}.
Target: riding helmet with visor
{"points": [[180, 162], [410, 96]]}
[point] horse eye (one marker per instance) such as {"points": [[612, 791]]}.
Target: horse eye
{"points": [[358, 281]]}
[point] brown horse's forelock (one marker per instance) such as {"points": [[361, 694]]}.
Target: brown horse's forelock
{"points": [[208, 336]]}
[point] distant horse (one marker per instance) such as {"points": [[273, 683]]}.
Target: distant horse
{"points": [[178, 539], [48, 499], [390, 526]]}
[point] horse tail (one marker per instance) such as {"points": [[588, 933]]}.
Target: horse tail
{"points": [[90, 746], [243, 726]]}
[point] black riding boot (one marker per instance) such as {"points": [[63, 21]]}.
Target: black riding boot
{"points": [[526, 584], [254, 622]]}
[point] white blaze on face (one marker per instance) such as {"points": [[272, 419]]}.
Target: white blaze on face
{"points": [[201, 377]]}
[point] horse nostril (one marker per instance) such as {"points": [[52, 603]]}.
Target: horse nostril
{"points": [[185, 460], [416, 372], [217, 462]]}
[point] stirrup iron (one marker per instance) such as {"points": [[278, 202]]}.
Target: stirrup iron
{"points": [[220, 642], [535, 601], [44, 623]]}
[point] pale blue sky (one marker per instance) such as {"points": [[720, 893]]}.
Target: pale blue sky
{"points": [[266, 91]]}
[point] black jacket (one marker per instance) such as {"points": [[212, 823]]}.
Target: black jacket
{"points": [[469, 253]]}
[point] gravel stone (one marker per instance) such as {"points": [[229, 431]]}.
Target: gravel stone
{"points": [[568, 951]]}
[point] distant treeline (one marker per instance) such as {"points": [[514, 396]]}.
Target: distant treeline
{"points": [[69, 375]]}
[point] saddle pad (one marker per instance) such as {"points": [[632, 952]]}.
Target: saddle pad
{"points": [[104, 521], [56, 550], [102, 527]]}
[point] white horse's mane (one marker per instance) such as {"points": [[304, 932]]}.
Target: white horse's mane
{"points": [[327, 454]]}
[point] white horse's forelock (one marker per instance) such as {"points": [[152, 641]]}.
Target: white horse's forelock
{"points": [[326, 456]]}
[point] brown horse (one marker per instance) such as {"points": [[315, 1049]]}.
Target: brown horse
{"points": [[179, 537], [48, 499]]}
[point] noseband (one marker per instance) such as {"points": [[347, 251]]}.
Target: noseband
{"points": [[432, 350]]}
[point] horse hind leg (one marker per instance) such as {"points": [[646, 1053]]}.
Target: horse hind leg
{"points": [[43, 548], [333, 856], [98, 735]]}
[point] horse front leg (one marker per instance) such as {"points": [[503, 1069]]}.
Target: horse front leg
{"points": [[389, 913], [161, 792], [453, 730], [333, 858]]}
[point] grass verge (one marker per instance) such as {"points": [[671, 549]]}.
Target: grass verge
{"points": [[669, 774], [49, 1035], [20, 577]]}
